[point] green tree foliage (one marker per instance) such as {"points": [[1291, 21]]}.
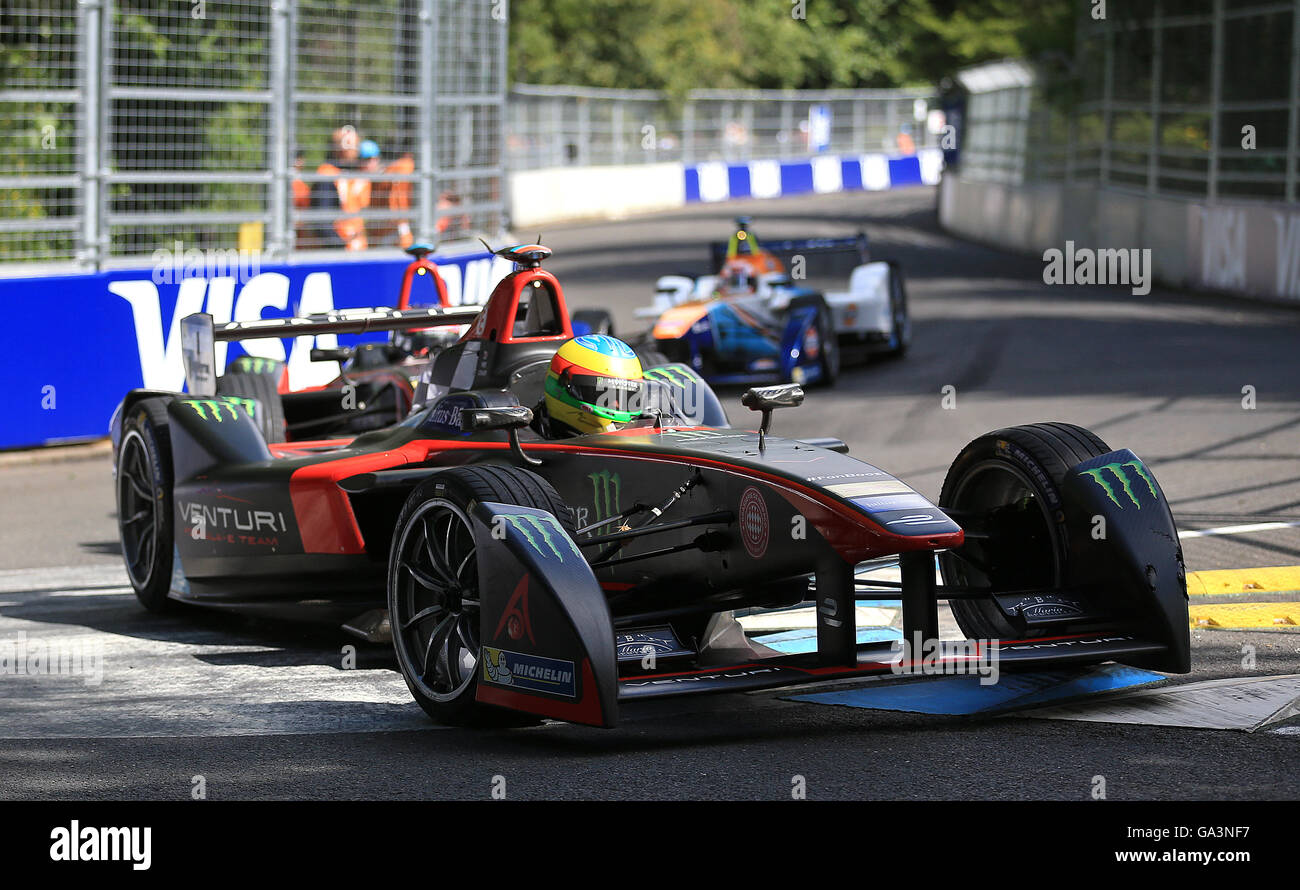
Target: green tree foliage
{"points": [[678, 45]]}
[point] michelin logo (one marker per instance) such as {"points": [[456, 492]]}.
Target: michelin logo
{"points": [[495, 668], [531, 673]]}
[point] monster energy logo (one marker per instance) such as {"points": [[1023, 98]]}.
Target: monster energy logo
{"points": [[253, 365], [539, 530], [675, 376], [607, 491], [688, 385], [1118, 470], [214, 409]]}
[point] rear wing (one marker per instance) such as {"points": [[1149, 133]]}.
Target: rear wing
{"points": [[199, 333], [853, 247]]}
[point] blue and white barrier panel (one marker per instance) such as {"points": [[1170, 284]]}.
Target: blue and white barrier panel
{"points": [[74, 344], [722, 181]]}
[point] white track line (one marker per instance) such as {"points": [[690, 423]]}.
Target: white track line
{"points": [[1237, 529], [80, 659]]}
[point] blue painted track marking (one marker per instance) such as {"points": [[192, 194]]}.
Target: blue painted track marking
{"points": [[963, 694]]}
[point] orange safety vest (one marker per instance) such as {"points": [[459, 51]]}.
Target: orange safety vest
{"points": [[354, 196], [399, 197]]}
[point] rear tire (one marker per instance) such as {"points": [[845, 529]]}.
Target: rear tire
{"points": [[899, 315], [600, 321], [144, 502], [650, 357], [830, 358], [262, 387], [1010, 479], [433, 596]]}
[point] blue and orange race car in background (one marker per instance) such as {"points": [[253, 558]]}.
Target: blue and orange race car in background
{"points": [[756, 322]]}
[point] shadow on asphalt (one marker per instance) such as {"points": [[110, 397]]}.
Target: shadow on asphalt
{"points": [[281, 643]]}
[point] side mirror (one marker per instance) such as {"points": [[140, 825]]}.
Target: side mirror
{"points": [[767, 399], [477, 420], [339, 354], [511, 419]]}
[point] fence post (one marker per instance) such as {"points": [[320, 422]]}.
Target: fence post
{"points": [[91, 133], [787, 128], [584, 131], [280, 240], [688, 132], [1157, 64], [725, 118], [1216, 102], [859, 126], [1072, 139], [1293, 112], [1107, 104], [428, 120], [616, 130], [557, 133], [503, 141], [747, 122]]}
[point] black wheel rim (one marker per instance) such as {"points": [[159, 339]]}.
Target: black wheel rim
{"points": [[435, 604], [984, 497], [137, 509]]}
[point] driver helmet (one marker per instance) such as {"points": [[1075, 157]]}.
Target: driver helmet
{"points": [[739, 276], [594, 383]]}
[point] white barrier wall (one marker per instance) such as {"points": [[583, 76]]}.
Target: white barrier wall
{"points": [[574, 193], [556, 194], [1251, 249]]}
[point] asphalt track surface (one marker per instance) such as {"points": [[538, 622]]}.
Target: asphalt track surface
{"points": [[264, 710]]}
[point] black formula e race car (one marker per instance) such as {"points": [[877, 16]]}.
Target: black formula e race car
{"points": [[570, 578]]}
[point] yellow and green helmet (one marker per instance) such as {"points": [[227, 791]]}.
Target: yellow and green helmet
{"points": [[594, 383]]}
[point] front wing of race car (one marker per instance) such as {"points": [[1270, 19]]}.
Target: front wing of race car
{"points": [[553, 648]]}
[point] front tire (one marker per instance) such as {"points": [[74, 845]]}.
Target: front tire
{"points": [[1007, 484], [828, 342], [144, 502], [433, 595]]}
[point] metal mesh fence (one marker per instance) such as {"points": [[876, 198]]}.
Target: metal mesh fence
{"points": [[1193, 98], [333, 125], [40, 191], [299, 124], [562, 126]]}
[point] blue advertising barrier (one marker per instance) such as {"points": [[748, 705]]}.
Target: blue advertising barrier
{"points": [[74, 344], [825, 174]]}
